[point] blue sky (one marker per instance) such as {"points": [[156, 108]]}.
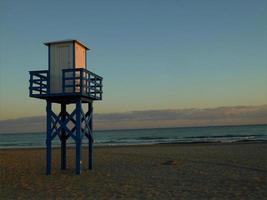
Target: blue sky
{"points": [[152, 54]]}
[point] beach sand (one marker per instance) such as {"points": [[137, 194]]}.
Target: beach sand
{"points": [[173, 171]]}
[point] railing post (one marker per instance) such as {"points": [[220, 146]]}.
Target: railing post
{"points": [[48, 82], [81, 81], [73, 80], [101, 87], [41, 85], [95, 82], [31, 83], [63, 81], [89, 83]]}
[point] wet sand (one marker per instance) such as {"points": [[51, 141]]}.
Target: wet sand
{"points": [[173, 171]]}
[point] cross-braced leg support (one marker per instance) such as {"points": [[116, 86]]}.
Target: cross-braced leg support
{"points": [[75, 125]]}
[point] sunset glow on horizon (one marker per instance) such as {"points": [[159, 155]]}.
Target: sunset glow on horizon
{"points": [[153, 55]]}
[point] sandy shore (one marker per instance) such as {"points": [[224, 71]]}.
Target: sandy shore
{"points": [[196, 171]]}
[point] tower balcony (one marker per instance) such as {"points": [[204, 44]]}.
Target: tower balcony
{"points": [[77, 82]]}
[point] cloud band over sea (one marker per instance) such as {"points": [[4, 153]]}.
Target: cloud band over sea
{"points": [[234, 115]]}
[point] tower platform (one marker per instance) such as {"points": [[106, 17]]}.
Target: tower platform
{"points": [[77, 83]]}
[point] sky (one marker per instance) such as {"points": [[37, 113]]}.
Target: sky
{"points": [[153, 55]]}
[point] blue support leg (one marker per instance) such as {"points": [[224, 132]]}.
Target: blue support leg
{"points": [[78, 136], [63, 138], [90, 153], [78, 157], [48, 138], [63, 154], [90, 166]]}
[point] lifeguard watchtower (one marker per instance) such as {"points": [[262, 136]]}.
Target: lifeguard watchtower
{"points": [[67, 81]]}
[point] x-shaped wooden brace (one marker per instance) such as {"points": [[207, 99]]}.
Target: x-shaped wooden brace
{"points": [[63, 125], [86, 118]]}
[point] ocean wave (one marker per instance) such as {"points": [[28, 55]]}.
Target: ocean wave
{"points": [[147, 137], [227, 136]]}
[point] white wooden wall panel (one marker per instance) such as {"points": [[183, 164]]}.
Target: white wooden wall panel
{"points": [[61, 57], [80, 56]]}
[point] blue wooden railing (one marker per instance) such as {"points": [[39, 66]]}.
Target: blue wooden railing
{"points": [[38, 83], [74, 82], [83, 82]]}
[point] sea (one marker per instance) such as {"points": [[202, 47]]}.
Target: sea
{"points": [[212, 134]]}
